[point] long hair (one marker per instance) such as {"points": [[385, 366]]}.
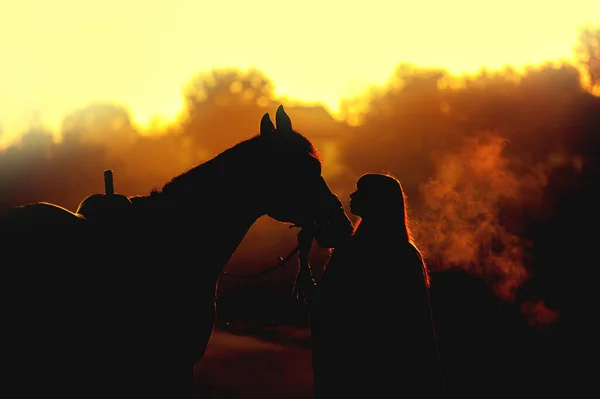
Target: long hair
{"points": [[392, 200]]}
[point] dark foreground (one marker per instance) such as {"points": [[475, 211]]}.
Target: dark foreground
{"points": [[274, 366]]}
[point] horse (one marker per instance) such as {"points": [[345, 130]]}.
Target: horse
{"points": [[124, 306]]}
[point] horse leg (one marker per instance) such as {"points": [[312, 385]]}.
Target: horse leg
{"points": [[170, 371], [202, 329]]}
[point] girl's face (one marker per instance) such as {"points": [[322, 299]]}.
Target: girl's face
{"points": [[358, 202]]}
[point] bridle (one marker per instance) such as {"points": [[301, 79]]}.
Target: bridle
{"points": [[282, 261]]}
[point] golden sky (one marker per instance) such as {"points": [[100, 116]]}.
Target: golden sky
{"points": [[59, 55]]}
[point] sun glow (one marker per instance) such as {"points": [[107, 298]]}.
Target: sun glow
{"points": [[61, 55]]}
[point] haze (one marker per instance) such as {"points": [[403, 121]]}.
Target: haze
{"points": [[62, 55]]}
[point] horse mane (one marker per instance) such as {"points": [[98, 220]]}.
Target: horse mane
{"points": [[241, 153]]}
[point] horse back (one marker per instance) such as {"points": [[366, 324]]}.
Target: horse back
{"points": [[94, 303], [40, 217]]}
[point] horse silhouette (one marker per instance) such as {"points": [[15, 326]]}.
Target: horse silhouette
{"points": [[124, 306]]}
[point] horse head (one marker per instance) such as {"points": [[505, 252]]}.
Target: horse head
{"points": [[294, 190]]}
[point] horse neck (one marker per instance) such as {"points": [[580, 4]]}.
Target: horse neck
{"points": [[207, 214]]}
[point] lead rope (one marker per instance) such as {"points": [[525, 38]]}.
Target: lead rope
{"points": [[280, 264]]}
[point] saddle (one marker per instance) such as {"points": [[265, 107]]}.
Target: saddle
{"points": [[107, 207]]}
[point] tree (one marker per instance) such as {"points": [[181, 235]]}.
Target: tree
{"points": [[222, 107], [228, 87], [587, 53], [104, 125]]}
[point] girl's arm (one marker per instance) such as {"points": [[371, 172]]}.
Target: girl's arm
{"points": [[305, 286]]}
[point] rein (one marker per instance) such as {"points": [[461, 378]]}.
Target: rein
{"points": [[281, 262]]}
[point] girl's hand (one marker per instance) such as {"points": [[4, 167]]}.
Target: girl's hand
{"points": [[305, 239]]}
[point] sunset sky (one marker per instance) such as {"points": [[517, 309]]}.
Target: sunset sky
{"points": [[59, 55]]}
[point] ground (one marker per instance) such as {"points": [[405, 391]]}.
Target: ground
{"points": [[276, 365]]}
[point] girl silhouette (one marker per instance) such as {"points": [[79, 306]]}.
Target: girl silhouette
{"points": [[371, 327]]}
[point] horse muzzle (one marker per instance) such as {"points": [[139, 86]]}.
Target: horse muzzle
{"points": [[337, 229]]}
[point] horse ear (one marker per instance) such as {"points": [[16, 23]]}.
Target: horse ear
{"points": [[266, 126], [282, 120]]}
